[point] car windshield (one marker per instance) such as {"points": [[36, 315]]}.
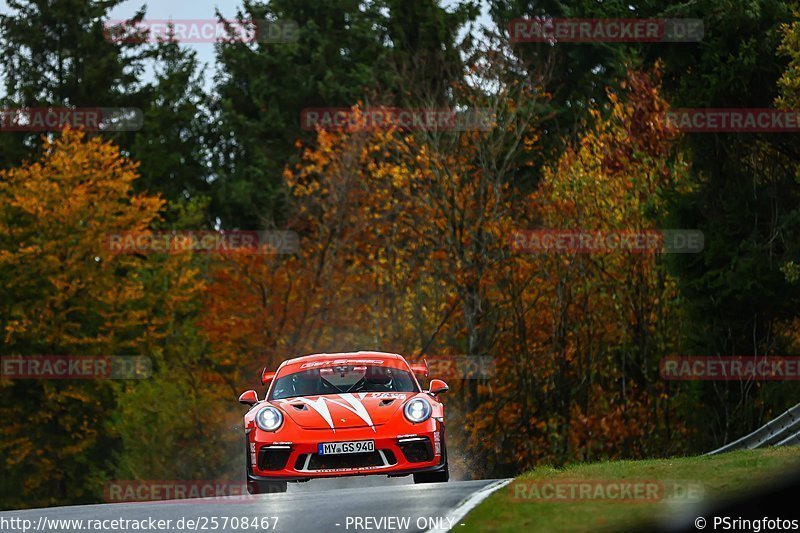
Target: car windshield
{"points": [[345, 378]]}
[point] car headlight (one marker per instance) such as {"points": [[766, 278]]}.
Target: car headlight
{"points": [[269, 418], [417, 410]]}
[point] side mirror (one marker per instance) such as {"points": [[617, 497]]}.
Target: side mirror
{"points": [[437, 386], [266, 376], [248, 398]]}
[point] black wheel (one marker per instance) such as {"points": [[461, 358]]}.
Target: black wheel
{"points": [[440, 476], [266, 487]]}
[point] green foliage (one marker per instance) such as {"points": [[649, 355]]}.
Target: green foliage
{"points": [[747, 204], [346, 51], [173, 146], [177, 426], [56, 53]]}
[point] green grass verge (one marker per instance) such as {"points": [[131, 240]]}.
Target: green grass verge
{"points": [[536, 510]]}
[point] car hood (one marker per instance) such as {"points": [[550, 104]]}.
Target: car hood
{"points": [[346, 410]]}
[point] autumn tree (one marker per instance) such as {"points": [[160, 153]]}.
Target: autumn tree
{"points": [[586, 331], [66, 293]]}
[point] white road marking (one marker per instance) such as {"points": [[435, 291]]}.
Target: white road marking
{"points": [[456, 515]]}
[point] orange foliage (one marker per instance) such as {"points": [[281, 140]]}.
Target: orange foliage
{"points": [[65, 293], [404, 247]]}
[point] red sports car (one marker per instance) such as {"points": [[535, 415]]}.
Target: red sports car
{"points": [[344, 414]]}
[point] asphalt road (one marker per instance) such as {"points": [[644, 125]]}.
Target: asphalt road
{"points": [[346, 505]]}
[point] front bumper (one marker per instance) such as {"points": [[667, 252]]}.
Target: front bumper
{"points": [[293, 455]]}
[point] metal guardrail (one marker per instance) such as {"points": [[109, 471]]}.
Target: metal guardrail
{"points": [[791, 440], [781, 431]]}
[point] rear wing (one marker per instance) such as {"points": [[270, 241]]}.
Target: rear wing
{"points": [[420, 369], [266, 376]]}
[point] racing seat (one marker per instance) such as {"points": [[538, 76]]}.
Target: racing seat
{"points": [[378, 379], [307, 383]]}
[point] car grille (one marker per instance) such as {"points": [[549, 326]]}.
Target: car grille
{"points": [[273, 458], [416, 450], [314, 461]]}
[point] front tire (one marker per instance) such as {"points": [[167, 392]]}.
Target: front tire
{"points": [[441, 476], [266, 487]]}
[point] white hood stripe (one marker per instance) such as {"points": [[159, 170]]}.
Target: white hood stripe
{"points": [[354, 405], [357, 408], [320, 407]]}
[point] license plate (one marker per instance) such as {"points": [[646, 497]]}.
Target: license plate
{"points": [[353, 446]]}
